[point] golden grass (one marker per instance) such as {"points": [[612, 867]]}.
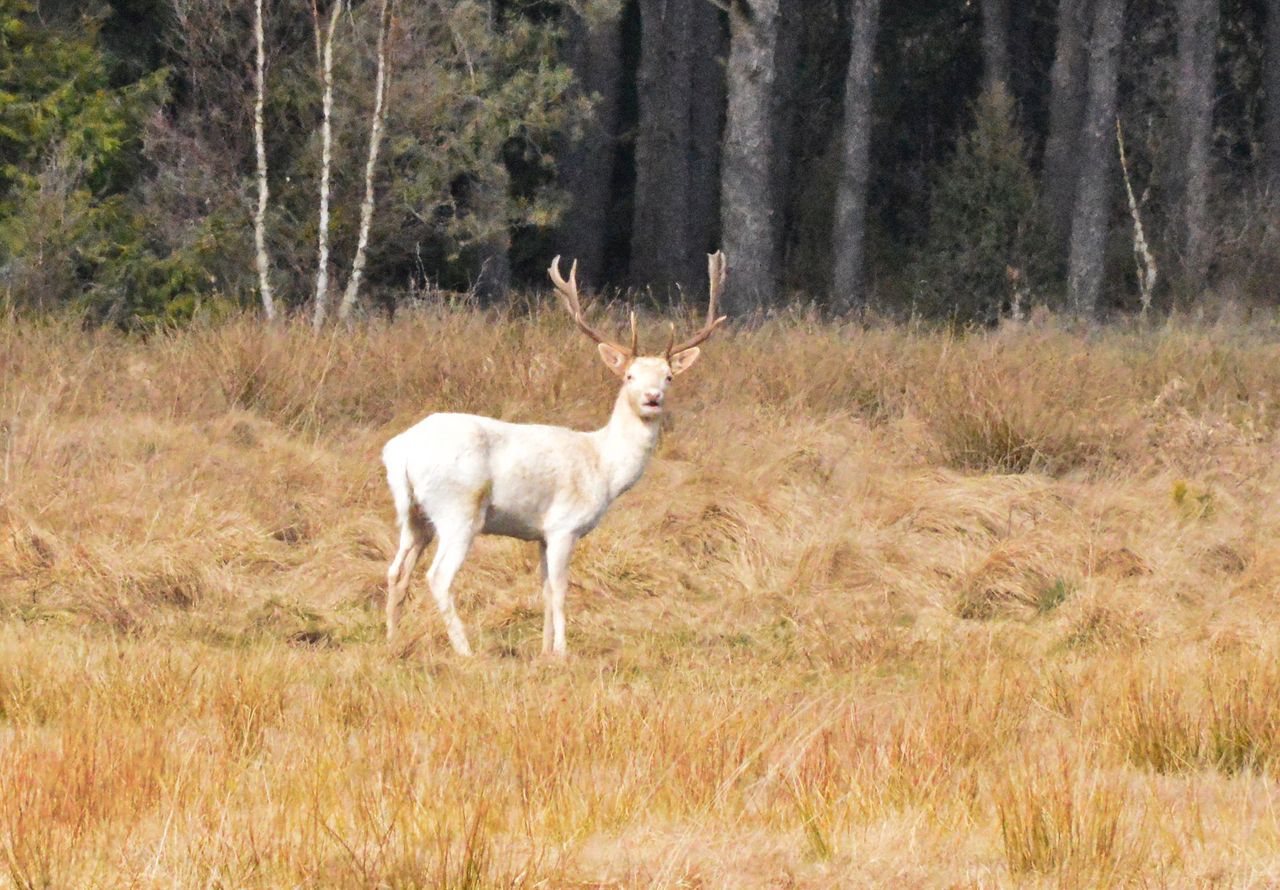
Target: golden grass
{"points": [[890, 608]]}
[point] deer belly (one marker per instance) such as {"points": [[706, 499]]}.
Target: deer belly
{"points": [[506, 523]]}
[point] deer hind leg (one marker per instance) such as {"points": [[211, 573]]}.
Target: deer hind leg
{"points": [[456, 535], [415, 535], [548, 634], [557, 553]]}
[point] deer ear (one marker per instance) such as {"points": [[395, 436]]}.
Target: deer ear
{"points": [[615, 359], [683, 361]]}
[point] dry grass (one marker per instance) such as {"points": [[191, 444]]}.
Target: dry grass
{"points": [[890, 608]]}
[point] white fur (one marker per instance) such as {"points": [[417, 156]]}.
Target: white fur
{"points": [[459, 475]]}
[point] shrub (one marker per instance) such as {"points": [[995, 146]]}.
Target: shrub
{"points": [[984, 239]]}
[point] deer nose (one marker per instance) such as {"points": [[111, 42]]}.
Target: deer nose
{"points": [[653, 396]]}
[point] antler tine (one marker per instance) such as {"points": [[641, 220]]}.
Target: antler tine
{"points": [[635, 338], [568, 291], [715, 272]]}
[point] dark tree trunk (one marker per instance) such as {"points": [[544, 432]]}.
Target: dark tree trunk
{"points": [[850, 226], [1197, 50], [663, 164], [1068, 80], [1271, 99], [995, 44], [594, 52], [706, 124], [1022, 75], [1097, 148], [786, 122], [749, 211], [493, 246]]}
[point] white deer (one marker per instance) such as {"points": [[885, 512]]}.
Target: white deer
{"points": [[459, 475]]}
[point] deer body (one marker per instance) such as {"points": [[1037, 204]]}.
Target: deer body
{"points": [[454, 476]]}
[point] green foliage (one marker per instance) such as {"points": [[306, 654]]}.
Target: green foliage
{"points": [[473, 153], [72, 148], [984, 239]]}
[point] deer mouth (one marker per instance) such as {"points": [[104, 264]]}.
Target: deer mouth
{"points": [[654, 404]]}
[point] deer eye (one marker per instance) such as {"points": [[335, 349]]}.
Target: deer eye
{"points": [[668, 378], [628, 377]]}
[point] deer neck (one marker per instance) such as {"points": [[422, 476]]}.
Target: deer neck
{"points": [[626, 444]]}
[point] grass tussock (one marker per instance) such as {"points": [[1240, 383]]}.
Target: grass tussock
{"points": [[890, 608]]}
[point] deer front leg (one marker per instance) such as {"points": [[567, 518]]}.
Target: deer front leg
{"points": [[554, 590]]}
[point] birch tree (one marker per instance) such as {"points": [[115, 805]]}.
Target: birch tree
{"points": [[260, 145], [381, 87], [320, 305]]}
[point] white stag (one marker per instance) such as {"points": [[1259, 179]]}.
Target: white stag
{"points": [[459, 475]]}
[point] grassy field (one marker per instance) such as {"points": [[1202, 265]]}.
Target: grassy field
{"points": [[890, 608]]}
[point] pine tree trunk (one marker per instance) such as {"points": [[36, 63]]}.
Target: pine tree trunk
{"points": [[849, 235], [995, 44], [1068, 86], [702, 234], [594, 53], [1271, 95], [260, 147], [786, 120], [1197, 51], [493, 270], [1085, 264], [663, 182], [1023, 83], [749, 212]]}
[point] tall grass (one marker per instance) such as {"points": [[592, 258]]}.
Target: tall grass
{"points": [[890, 608]]}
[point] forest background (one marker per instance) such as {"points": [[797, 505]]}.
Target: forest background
{"points": [[941, 159]]}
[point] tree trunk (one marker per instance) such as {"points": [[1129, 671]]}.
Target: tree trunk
{"points": [[320, 307], [493, 270], [663, 181], [1023, 81], [594, 53], [1271, 97], [380, 88], [1097, 147], [849, 236], [787, 124], [1197, 50], [995, 44], [1068, 85], [749, 212], [702, 234], [260, 146]]}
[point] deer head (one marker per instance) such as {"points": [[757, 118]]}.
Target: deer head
{"points": [[644, 377]]}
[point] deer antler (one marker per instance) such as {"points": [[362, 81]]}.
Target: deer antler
{"points": [[568, 291], [715, 271]]}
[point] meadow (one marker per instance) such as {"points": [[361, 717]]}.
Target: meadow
{"points": [[891, 607]]}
